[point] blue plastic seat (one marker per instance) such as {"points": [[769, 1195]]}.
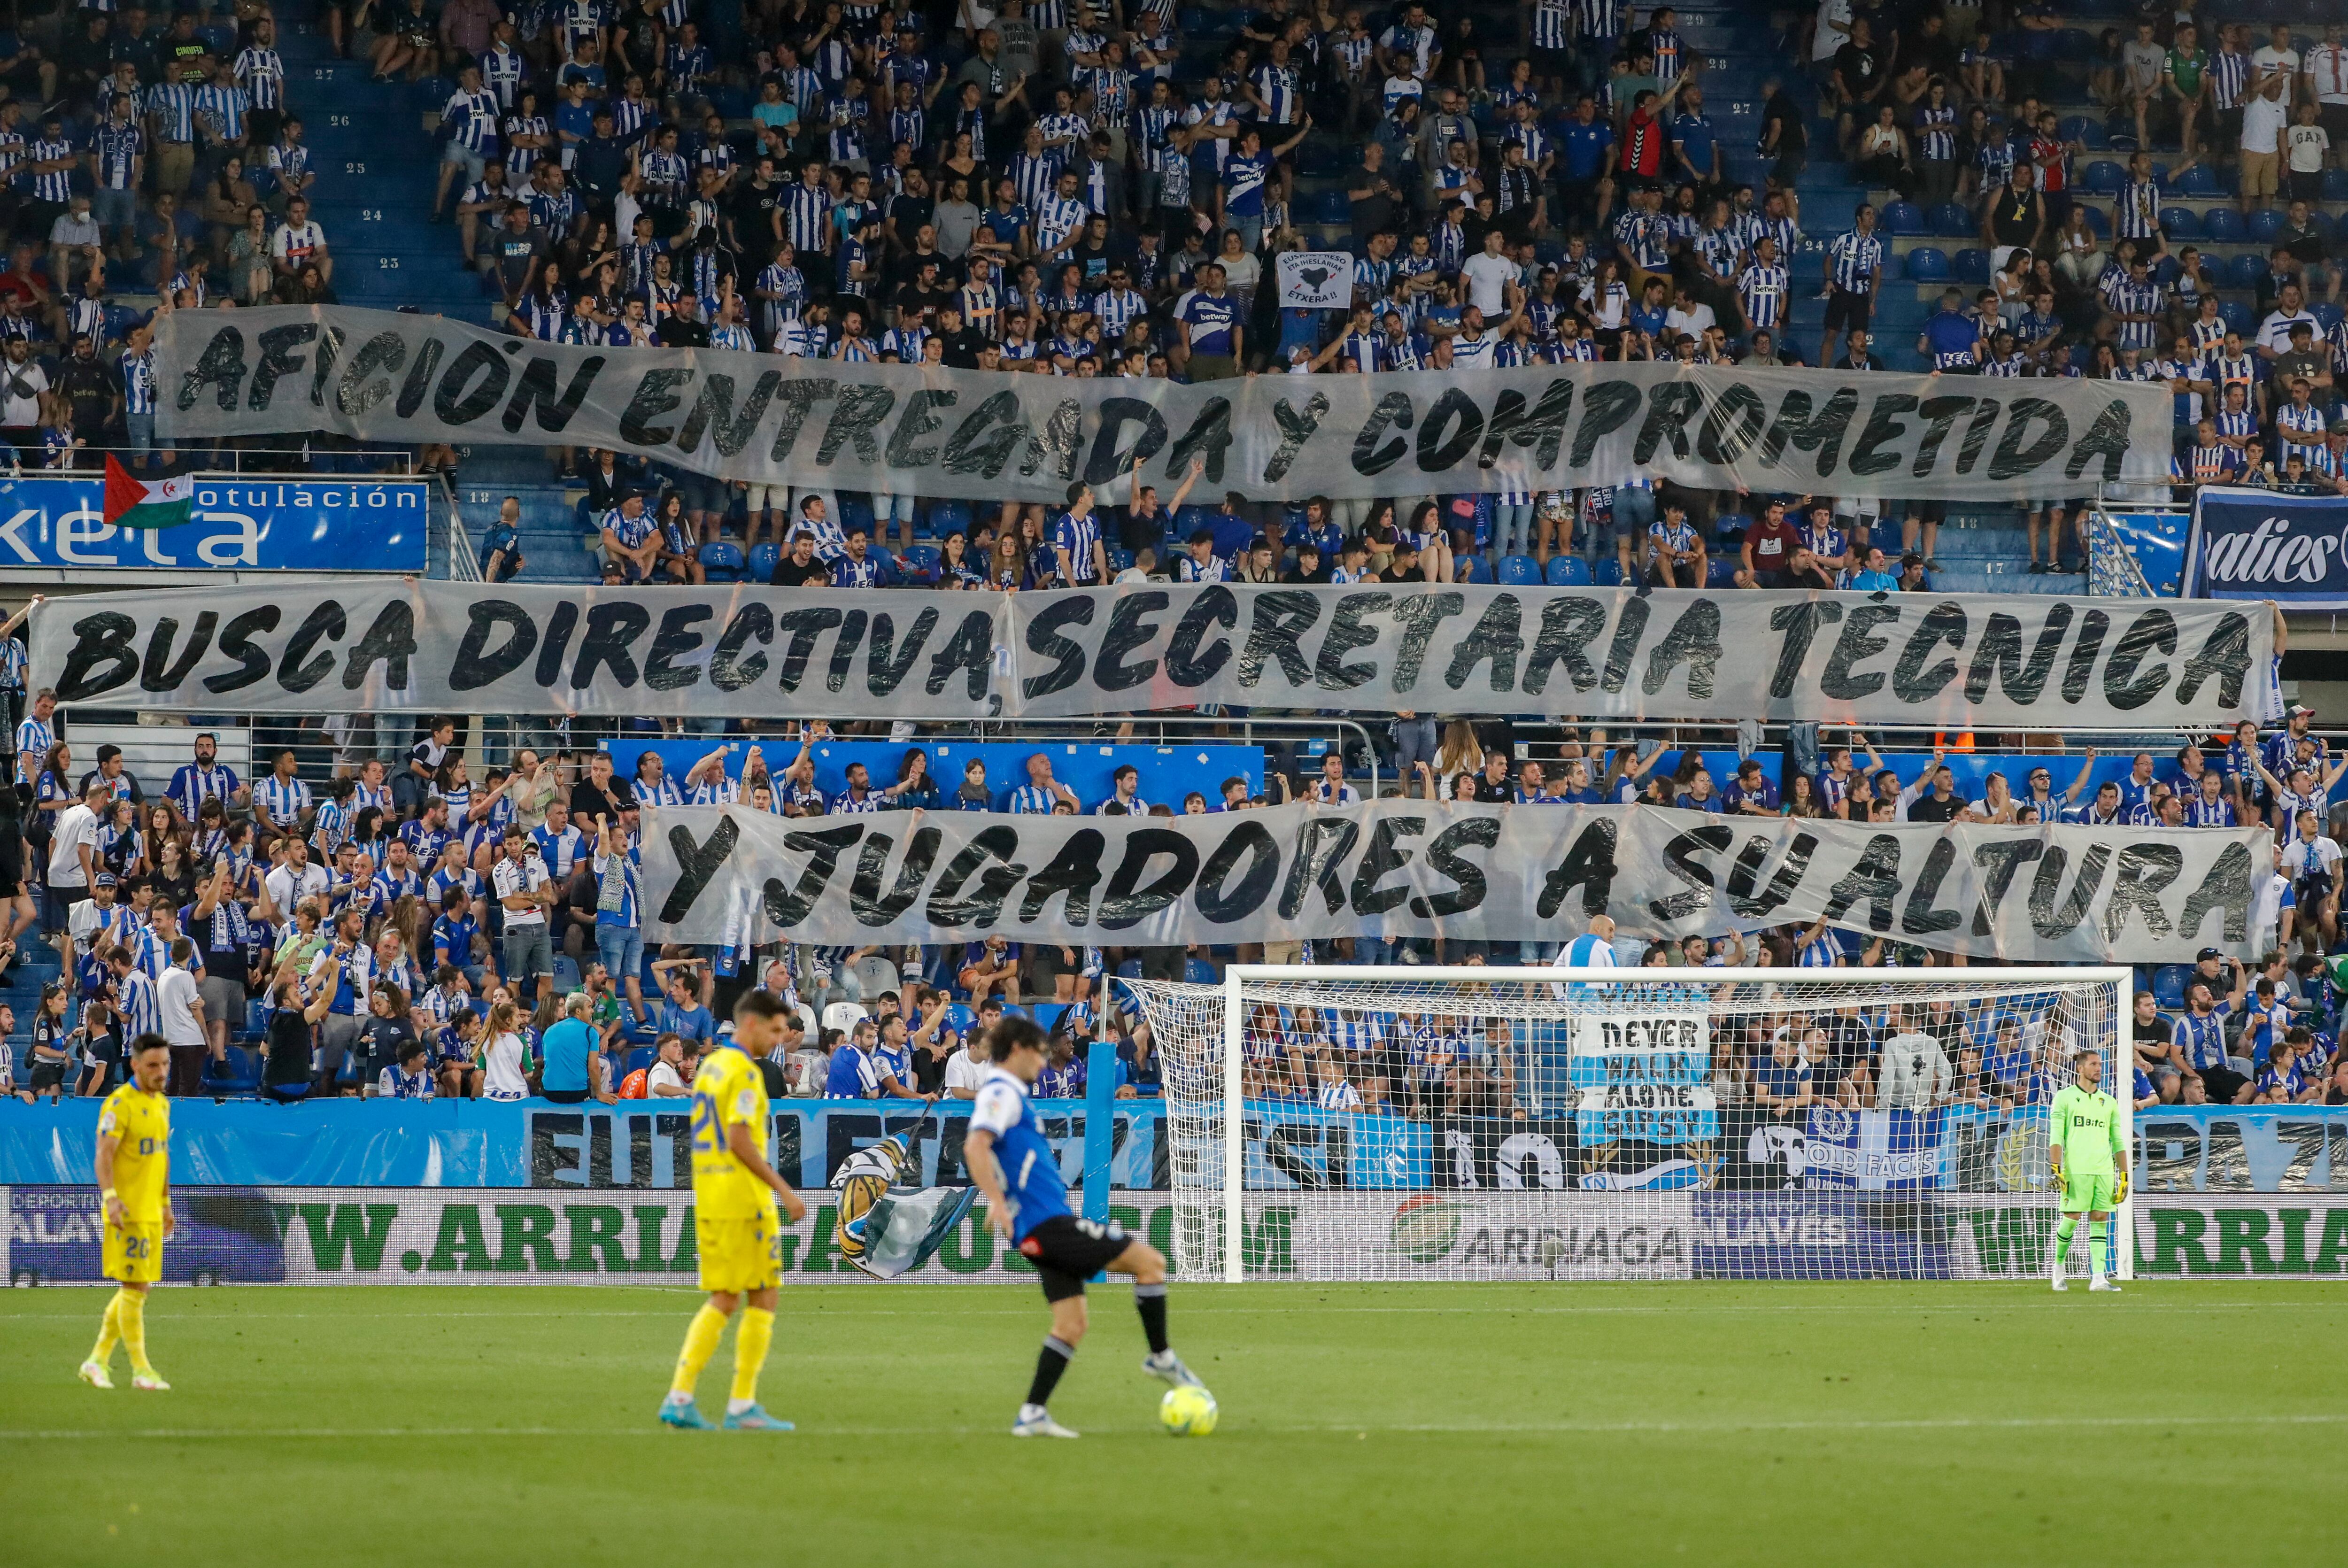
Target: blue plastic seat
{"points": [[1568, 572], [764, 558], [640, 1059], [2243, 271], [1719, 571], [2168, 984], [1902, 218], [1519, 572], [1951, 221], [1973, 265], [566, 973], [2335, 185], [722, 560], [2265, 224], [2180, 223], [2224, 226], [2199, 181], [1928, 264], [945, 517], [1327, 207], [921, 560], [2327, 315], [2104, 178], [1607, 574], [2237, 315]]}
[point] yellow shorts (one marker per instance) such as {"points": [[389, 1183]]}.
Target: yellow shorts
{"points": [[134, 1252], [737, 1255]]}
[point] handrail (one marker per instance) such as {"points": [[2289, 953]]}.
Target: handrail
{"points": [[464, 566]]}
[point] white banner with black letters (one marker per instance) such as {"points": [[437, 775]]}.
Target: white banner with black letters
{"points": [[1315, 279], [1398, 868], [2018, 662], [384, 377]]}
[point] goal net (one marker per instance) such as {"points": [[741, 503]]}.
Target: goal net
{"points": [[1466, 1123]]}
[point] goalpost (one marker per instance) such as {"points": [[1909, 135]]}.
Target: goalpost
{"points": [[1525, 1122]]}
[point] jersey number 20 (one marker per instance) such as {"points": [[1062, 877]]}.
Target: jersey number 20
{"points": [[706, 1139]]}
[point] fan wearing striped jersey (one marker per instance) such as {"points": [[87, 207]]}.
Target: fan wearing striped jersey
{"points": [[1016, 1166], [1594, 949]]}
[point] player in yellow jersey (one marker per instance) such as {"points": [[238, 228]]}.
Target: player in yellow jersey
{"points": [[735, 1192], [134, 1182]]}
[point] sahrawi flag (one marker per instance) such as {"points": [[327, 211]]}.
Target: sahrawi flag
{"points": [[136, 503]]}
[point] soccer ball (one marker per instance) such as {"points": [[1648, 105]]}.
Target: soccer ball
{"points": [[1187, 1412]]}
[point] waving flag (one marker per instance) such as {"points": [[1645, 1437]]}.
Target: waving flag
{"points": [[138, 503]]}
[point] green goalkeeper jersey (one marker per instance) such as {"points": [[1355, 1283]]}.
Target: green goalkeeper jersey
{"points": [[2085, 1127]]}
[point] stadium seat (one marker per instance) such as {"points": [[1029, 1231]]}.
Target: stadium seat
{"points": [[1327, 207], [922, 561], [2104, 178], [2265, 224], [1568, 572], [2099, 222], [2168, 984], [1470, 568], [1902, 218], [1952, 220], [1199, 972], [1973, 265], [2199, 181], [566, 972], [763, 559], [2180, 223], [1729, 527], [2243, 271], [2237, 315], [1927, 265], [2335, 185], [1519, 572], [1047, 1013], [2224, 226], [945, 517], [722, 560], [1719, 571], [640, 1059], [876, 974], [843, 1015], [1607, 574], [2075, 126], [2327, 315]]}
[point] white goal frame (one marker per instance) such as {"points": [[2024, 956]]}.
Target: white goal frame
{"points": [[1237, 975]]}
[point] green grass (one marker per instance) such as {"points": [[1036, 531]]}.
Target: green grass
{"points": [[1812, 1423]]}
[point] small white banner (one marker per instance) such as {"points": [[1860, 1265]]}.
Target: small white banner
{"points": [[1315, 279]]}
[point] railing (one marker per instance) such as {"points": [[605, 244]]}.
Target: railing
{"points": [[464, 566], [397, 463], [2113, 569]]}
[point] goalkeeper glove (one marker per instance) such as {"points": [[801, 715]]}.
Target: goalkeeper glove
{"points": [[2119, 1189]]}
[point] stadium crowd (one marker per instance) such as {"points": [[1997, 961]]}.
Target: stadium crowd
{"points": [[411, 934], [1106, 191]]}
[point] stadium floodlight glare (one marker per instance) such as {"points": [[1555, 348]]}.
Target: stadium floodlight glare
{"points": [[1572, 1124]]}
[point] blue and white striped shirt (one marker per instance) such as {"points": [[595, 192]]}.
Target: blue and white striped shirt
{"points": [[1858, 258], [283, 799]]}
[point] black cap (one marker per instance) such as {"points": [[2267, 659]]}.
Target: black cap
{"points": [[2206, 953]]}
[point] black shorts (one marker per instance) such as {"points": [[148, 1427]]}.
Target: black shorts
{"points": [[47, 1075], [1929, 510], [1067, 1250], [1847, 312], [2334, 118]]}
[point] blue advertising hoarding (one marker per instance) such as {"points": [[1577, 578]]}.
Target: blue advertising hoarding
{"points": [[2257, 544], [237, 523], [1088, 768]]}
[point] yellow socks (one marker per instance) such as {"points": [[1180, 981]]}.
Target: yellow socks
{"points": [[109, 1329], [750, 1342], [130, 1313], [700, 1344]]}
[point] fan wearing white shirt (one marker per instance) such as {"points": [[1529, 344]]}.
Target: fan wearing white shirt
{"points": [[1490, 274]]}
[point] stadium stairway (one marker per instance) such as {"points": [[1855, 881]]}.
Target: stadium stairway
{"points": [[375, 190]]}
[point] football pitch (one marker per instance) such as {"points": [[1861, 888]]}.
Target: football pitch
{"points": [[1554, 1423]]}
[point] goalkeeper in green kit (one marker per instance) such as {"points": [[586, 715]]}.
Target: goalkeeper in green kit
{"points": [[2083, 1139]]}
